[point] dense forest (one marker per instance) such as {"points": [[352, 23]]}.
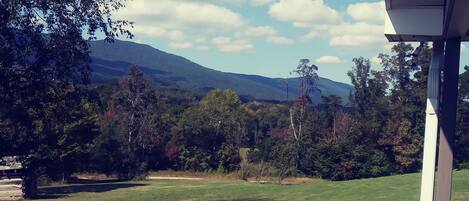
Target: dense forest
{"points": [[60, 124], [129, 126]]}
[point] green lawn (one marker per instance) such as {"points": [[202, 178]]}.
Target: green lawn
{"points": [[402, 187]]}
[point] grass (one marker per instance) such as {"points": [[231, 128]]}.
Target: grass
{"points": [[401, 187]]}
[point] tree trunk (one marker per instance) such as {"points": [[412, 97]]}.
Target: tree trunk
{"points": [[261, 171], [29, 184], [281, 175], [293, 124]]}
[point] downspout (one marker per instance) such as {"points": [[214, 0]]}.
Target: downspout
{"points": [[431, 123]]}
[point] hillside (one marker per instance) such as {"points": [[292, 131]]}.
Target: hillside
{"points": [[111, 60]]}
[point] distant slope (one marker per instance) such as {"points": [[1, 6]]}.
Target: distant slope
{"points": [[326, 86], [111, 60]]}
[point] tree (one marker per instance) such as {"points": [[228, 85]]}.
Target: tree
{"points": [[42, 50], [332, 106], [462, 137], [369, 99], [75, 128], [370, 113], [137, 121], [307, 74], [267, 119], [210, 133], [405, 127], [281, 153]]}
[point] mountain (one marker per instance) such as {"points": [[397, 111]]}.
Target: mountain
{"points": [[111, 60]]}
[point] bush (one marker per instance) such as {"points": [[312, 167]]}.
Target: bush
{"points": [[246, 170], [464, 165]]}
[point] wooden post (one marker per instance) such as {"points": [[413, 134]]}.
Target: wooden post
{"points": [[448, 119]]}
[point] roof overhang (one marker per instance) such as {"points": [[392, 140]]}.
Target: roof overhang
{"points": [[426, 20]]}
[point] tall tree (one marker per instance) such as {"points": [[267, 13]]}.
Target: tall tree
{"points": [[139, 120], [348, 148], [75, 126], [307, 74], [332, 106], [405, 126], [369, 99], [42, 51]]}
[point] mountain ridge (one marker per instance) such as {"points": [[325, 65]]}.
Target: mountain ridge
{"points": [[111, 60]]}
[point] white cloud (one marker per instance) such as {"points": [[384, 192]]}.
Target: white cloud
{"points": [[173, 35], [200, 39], [178, 14], [190, 23], [328, 60], [238, 2], [260, 31], [180, 45], [367, 12], [177, 20], [304, 13], [269, 33], [227, 44], [361, 26], [202, 47], [235, 2], [151, 31], [280, 40], [359, 34], [366, 30], [311, 35], [176, 35], [260, 2], [375, 60]]}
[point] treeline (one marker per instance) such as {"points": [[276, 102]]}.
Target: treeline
{"points": [[58, 124], [129, 127]]}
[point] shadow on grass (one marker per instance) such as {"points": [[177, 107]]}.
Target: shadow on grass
{"points": [[54, 192]]}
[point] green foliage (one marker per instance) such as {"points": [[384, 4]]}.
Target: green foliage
{"points": [[128, 126], [76, 128], [462, 132], [134, 127], [43, 59], [211, 132], [283, 153], [405, 126], [379, 134], [246, 170]]}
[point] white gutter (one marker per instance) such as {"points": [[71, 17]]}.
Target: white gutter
{"points": [[431, 124]]}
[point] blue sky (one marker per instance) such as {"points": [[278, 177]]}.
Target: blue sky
{"points": [[264, 37]]}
